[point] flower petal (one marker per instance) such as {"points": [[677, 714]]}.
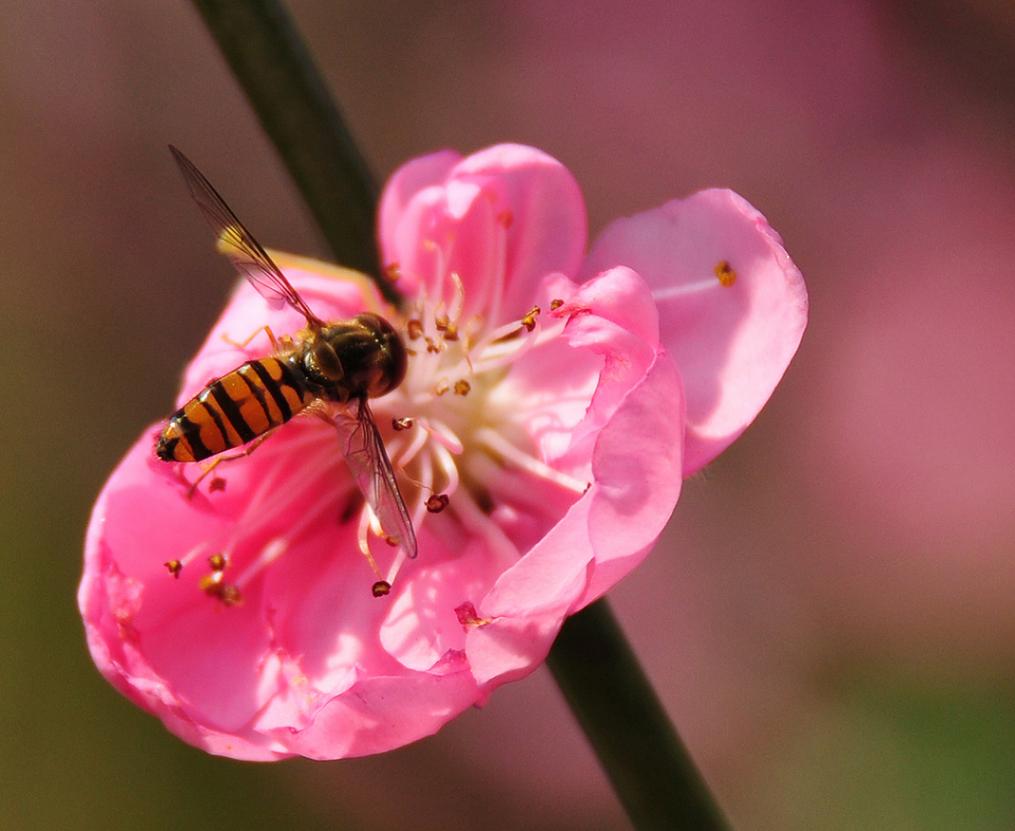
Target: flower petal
{"points": [[635, 424], [501, 220], [636, 465], [380, 713], [140, 622], [732, 343]]}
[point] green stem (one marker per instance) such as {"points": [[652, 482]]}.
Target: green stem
{"points": [[641, 753], [262, 46]]}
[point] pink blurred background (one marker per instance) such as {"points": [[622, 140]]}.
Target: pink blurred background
{"points": [[829, 616]]}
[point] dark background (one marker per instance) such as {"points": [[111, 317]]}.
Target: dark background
{"points": [[829, 616]]}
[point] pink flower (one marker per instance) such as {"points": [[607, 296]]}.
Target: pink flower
{"points": [[556, 399]]}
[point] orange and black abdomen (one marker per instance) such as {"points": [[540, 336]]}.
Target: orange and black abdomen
{"points": [[235, 409]]}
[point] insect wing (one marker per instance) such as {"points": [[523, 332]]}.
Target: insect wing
{"points": [[368, 460], [245, 252]]}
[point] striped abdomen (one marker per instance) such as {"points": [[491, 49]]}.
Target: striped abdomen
{"points": [[236, 408]]}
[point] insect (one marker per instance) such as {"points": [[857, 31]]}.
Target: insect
{"points": [[343, 363]]}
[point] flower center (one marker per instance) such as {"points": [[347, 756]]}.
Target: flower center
{"points": [[447, 433]]}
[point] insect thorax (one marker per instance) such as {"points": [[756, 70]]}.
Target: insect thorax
{"points": [[353, 358]]}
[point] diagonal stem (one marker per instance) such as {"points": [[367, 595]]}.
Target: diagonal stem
{"points": [[266, 54], [614, 702]]}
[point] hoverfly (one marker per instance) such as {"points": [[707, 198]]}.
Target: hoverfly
{"points": [[343, 362]]}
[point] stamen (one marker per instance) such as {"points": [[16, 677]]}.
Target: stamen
{"points": [[437, 502], [448, 467], [469, 617], [530, 464], [529, 321], [425, 485], [418, 442], [555, 304], [190, 556], [444, 435], [268, 501], [363, 540], [725, 274], [269, 554], [414, 329], [447, 327], [381, 588], [457, 302], [214, 584], [399, 424], [462, 387], [175, 567]]}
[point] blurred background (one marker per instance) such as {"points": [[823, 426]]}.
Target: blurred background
{"points": [[829, 617]]}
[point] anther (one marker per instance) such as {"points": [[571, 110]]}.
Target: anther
{"points": [[380, 588], [437, 502], [432, 347], [230, 595], [468, 616], [414, 328], [529, 321], [446, 327], [174, 566], [441, 388], [217, 562], [214, 585], [462, 387], [400, 424], [393, 271], [555, 304], [725, 273], [216, 484]]}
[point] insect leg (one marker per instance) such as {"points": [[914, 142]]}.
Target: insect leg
{"points": [[229, 457], [275, 342]]}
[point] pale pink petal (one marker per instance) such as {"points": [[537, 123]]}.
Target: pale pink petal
{"points": [[635, 482], [399, 216], [406, 182], [501, 220], [731, 343], [637, 466], [385, 712], [510, 648], [129, 606], [546, 210], [612, 527], [421, 626]]}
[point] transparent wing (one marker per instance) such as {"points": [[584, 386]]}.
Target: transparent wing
{"points": [[245, 252], [368, 460]]}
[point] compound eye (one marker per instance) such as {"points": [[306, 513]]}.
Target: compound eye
{"points": [[326, 361]]}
